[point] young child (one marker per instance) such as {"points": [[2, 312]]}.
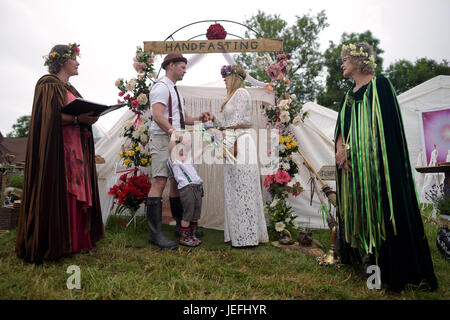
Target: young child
{"points": [[190, 186]]}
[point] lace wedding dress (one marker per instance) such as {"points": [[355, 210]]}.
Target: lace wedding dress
{"points": [[244, 221]]}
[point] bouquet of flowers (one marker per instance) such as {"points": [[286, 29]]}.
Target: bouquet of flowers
{"points": [[141, 134], [216, 32], [135, 156], [281, 215], [135, 92], [131, 192]]}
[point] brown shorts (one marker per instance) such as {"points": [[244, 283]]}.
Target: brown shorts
{"points": [[191, 200]]}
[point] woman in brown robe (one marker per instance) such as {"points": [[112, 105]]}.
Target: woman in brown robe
{"points": [[60, 212]]}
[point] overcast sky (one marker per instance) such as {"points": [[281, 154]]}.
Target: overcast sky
{"points": [[109, 31]]}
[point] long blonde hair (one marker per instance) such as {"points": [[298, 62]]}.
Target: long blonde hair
{"points": [[236, 81]]}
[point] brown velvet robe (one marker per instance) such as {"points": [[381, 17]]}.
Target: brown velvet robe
{"points": [[44, 223]]}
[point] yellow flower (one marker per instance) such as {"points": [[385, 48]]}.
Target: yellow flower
{"points": [[148, 154], [126, 161], [121, 155], [130, 153], [143, 161], [294, 144], [138, 148], [53, 54]]}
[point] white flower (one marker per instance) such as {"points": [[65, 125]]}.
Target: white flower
{"points": [[136, 135], [142, 99], [283, 104], [130, 85], [119, 82], [296, 224], [293, 96], [284, 117], [280, 226], [286, 166], [282, 147], [144, 138], [296, 121], [274, 203]]}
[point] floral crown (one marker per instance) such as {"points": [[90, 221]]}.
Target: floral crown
{"points": [[73, 50], [229, 69], [353, 51]]}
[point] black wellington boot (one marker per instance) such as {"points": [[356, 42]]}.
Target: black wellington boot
{"points": [[154, 218]]}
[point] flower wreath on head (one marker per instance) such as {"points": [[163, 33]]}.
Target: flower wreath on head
{"points": [[361, 53], [73, 50], [231, 69]]}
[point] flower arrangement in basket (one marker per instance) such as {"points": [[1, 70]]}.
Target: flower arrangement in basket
{"points": [[216, 32], [285, 112], [134, 185]]}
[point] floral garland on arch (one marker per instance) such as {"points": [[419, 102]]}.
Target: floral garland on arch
{"points": [[286, 111], [134, 184]]}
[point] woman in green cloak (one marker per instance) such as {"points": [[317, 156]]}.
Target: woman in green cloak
{"points": [[379, 217]]}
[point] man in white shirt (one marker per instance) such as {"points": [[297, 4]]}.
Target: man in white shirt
{"points": [[168, 115]]}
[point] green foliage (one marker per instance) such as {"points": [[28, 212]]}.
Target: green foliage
{"points": [[16, 181], [21, 128], [300, 41], [336, 84], [405, 75]]}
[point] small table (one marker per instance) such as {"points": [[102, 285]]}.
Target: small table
{"points": [[441, 167]]}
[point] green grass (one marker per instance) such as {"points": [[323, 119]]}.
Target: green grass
{"points": [[127, 267]]}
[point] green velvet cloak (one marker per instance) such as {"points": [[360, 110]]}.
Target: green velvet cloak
{"points": [[378, 207]]}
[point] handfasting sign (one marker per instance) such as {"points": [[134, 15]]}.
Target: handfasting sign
{"points": [[214, 46]]}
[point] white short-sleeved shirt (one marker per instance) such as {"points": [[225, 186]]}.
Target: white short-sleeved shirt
{"points": [[183, 170], [160, 94]]}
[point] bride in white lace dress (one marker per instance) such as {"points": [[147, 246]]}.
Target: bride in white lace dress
{"points": [[244, 221]]}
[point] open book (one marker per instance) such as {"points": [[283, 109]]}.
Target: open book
{"points": [[80, 106]]}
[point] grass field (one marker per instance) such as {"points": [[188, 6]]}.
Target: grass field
{"points": [[127, 267]]}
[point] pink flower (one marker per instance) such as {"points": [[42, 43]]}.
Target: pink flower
{"points": [[282, 176], [137, 66], [150, 60], [121, 93], [268, 181], [135, 103]]}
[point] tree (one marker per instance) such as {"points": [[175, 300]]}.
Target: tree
{"points": [[21, 128], [405, 75], [300, 41], [336, 84]]}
